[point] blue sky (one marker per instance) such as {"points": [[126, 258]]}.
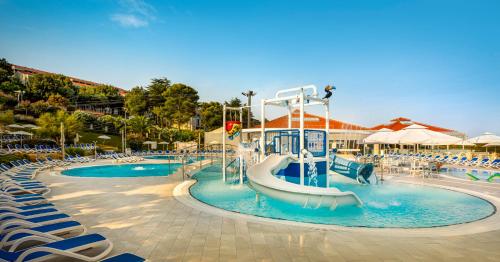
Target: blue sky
{"points": [[436, 62]]}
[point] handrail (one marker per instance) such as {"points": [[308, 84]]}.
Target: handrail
{"points": [[307, 87]]}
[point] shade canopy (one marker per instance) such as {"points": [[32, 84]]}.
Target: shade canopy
{"points": [[465, 143], [492, 144], [149, 142], [417, 134], [22, 133], [382, 136], [31, 126], [15, 126], [485, 138], [163, 143], [104, 137]]}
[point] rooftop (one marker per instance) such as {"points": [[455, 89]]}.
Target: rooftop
{"points": [[76, 81], [311, 121], [402, 122]]}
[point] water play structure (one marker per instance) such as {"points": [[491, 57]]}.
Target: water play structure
{"points": [[296, 152]]}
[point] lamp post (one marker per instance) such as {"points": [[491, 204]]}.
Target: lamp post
{"points": [[249, 95], [95, 150], [124, 139]]}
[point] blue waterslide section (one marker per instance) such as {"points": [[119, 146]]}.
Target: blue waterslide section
{"points": [[352, 169]]}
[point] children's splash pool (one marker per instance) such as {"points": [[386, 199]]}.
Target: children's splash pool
{"points": [[125, 170], [394, 205], [492, 176]]}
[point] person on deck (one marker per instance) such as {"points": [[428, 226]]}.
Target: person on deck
{"points": [[328, 90]]}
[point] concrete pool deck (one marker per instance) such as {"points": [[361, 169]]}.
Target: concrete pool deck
{"points": [[141, 215]]}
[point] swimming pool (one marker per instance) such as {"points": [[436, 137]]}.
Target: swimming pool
{"points": [[481, 174], [125, 170], [395, 205]]}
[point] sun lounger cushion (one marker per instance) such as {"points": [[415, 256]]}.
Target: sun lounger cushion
{"points": [[125, 257]]}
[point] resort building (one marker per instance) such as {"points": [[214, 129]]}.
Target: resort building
{"points": [[344, 136], [23, 73], [98, 107], [399, 123]]}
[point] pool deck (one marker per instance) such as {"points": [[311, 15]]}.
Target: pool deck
{"points": [[141, 215]]}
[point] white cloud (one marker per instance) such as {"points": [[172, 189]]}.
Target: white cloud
{"points": [[127, 20], [134, 13], [139, 7]]}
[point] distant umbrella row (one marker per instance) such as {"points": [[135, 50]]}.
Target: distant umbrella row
{"points": [[421, 135], [20, 132]]}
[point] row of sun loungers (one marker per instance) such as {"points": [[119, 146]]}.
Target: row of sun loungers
{"points": [[17, 148], [120, 158], [175, 152], [44, 148], [33, 229], [453, 160]]}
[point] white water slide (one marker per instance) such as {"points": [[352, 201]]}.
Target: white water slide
{"points": [[261, 178]]}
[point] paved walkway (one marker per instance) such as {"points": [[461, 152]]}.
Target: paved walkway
{"points": [[140, 215]]}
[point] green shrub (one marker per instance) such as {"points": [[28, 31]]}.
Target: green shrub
{"points": [[134, 144], [39, 107], [11, 157], [7, 117], [7, 100], [73, 151]]}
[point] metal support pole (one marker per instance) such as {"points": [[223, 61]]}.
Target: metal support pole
{"points": [[241, 140], [249, 95], [301, 137], [241, 168], [224, 143], [327, 140], [262, 130], [290, 149], [125, 133], [182, 167]]}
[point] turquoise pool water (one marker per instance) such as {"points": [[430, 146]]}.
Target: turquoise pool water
{"points": [[125, 170], [482, 174], [394, 205]]}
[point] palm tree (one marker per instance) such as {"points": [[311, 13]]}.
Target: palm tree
{"points": [[139, 125]]}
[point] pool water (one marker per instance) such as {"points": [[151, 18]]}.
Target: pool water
{"points": [[125, 170], [395, 205], [482, 174]]}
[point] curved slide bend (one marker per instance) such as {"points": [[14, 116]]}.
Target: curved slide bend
{"points": [[362, 173], [261, 178]]}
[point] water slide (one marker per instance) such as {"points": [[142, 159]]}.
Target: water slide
{"points": [[492, 177], [262, 178], [362, 173]]}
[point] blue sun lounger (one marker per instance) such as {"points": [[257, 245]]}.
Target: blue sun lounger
{"points": [[7, 216], [67, 248], [5, 209], [33, 222], [125, 257], [32, 200], [51, 231]]}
